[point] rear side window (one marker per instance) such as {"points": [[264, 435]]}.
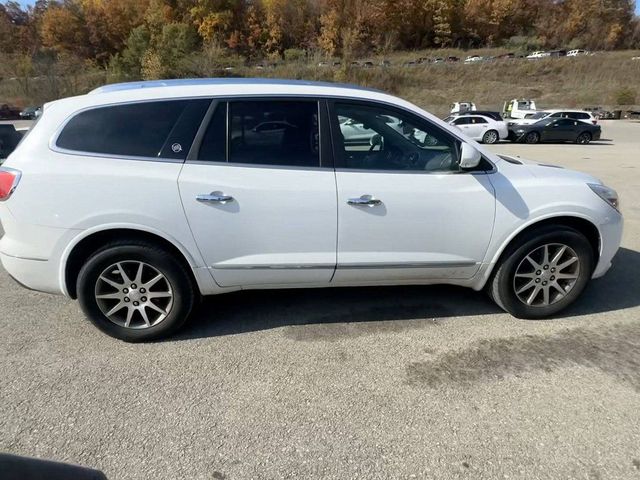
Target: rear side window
{"points": [[151, 129], [462, 121], [274, 133]]}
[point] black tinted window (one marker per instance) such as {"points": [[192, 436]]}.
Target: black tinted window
{"points": [[151, 129], [213, 146], [462, 121], [274, 133]]}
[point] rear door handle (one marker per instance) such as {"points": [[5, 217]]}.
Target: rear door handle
{"points": [[364, 201], [214, 197]]}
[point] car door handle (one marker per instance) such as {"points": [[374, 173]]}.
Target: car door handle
{"points": [[214, 197], [364, 201]]}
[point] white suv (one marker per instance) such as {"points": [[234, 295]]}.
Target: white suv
{"points": [[139, 198]]}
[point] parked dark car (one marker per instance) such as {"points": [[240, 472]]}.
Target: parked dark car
{"points": [[555, 130], [30, 113], [9, 139], [497, 116], [8, 112]]}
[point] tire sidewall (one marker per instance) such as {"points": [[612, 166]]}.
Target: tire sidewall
{"points": [[175, 274], [503, 285]]}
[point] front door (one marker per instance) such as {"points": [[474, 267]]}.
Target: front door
{"points": [[405, 210], [259, 200]]}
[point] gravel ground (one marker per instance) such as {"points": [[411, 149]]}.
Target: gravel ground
{"points": [[408, 382]]}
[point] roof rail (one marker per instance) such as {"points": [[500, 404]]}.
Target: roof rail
{"points": [[116, 87]]}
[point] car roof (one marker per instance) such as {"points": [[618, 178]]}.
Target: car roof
{"points": [[219, 87], [569, 110], [189, 82]]}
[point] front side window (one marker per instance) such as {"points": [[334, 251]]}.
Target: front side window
{"points": [[374, 137], [163, 129], [282, 132], [462, 121]]}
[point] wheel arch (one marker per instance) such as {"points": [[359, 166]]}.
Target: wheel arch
{"points": [[79, 252], [582, 225]]}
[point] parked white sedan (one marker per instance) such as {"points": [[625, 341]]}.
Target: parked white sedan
{"points": [[481, 128], [137, 199]]}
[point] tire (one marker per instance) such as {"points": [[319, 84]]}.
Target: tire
{"points": [[491, 137], [532, 137], [504, 284], [584, 138], [114, 269]]}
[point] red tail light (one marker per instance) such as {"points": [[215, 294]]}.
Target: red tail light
{"points": [[9, 179]]}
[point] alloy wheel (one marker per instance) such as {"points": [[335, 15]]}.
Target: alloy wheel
{"points": [[134, 294], [490, 137], [546, 275]]}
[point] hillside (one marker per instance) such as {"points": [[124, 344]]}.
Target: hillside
{"points": [[608, 79]]}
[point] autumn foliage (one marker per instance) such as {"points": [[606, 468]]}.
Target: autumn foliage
{"points": [[154, 38]]}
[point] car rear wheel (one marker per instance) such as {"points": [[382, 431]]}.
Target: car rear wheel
{"points": [[135, 291], [490, 137], [532, 137], [584, 138], [544, 273]]}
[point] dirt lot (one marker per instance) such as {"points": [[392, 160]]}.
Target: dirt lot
{"points": [[420, 382]]}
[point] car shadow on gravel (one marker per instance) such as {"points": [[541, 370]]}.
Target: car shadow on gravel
{"points": [[331, 313]]}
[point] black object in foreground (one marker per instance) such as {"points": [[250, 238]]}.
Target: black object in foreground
{"points": [[14, 467]]}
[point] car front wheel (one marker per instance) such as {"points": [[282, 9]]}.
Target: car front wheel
{"points": [[532, 137], [135, 291], [584, 138], [544, 273]]}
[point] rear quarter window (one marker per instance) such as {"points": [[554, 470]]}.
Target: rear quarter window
{"points": [[163, 129]]}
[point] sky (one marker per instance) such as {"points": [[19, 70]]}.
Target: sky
{"points": [[31, 2]]}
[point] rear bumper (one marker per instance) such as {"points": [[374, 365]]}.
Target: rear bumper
{"points": [[40, 275]]}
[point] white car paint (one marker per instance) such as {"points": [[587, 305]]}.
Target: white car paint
{"points": [[555, 113], [429, 227], [518, 108], [480, 125]]}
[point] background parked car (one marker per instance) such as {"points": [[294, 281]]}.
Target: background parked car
{"points": [[573, 114], [538, 54], [481, 128], [576, 53], [555, 130], [30, 113]]}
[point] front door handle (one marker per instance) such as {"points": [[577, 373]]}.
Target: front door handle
{"points": [[214, 197], [364, 201]]}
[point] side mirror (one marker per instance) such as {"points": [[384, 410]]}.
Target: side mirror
{"points": [[469, 156]]}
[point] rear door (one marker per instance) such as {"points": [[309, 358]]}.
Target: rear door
{"points": [[259, 192]]}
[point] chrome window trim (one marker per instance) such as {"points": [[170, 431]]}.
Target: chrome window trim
{"points": [[348, 266], [319, 266]]}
